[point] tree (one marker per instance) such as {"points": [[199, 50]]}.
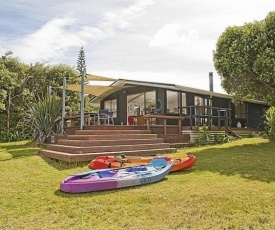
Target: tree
{"points": [[81, 67], [245, 59], [23, 86], [12, 76], [54, 77], [270, 123]]}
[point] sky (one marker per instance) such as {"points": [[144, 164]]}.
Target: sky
{"points": [[148, 40]]}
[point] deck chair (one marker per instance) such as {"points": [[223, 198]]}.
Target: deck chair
{"points": [[103, 116], [110, 117]]}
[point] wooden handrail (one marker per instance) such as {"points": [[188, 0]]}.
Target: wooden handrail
{"points": [[164, 118]]}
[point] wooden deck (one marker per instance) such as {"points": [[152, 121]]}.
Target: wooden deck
{"points": [[85, 145], [93, 141]]}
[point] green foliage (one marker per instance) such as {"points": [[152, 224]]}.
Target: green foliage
{"points": [[12, 75], [245, 59], [90, 107], [55, 75], [205, 137], [44, 118], [81, 62], [14, 135], [221, 138], [270, 122], [22, 86]]}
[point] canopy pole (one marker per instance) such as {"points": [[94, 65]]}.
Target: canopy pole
{"points": [[82, 101], [63, 105]]}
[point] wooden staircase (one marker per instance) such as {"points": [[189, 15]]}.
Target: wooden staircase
{"points": [[85, 145]]}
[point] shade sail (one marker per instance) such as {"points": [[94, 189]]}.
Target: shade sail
{"points": [[91, 77], [107, 93], [96, 90]]}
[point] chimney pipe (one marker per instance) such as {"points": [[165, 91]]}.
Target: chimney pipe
{"points": [[211, 81]]}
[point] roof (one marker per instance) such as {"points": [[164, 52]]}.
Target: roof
{"points": [[100, 92], [96, 90], [124, 82]]}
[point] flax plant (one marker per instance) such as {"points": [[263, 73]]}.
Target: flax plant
{"points": [[44, 118]]}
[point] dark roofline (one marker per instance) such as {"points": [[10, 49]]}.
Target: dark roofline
{"points": [[185, 88]]}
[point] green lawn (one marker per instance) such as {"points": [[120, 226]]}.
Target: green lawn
{"points": [[231, 186]]}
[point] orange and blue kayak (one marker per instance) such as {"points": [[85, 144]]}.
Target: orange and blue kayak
{"points": [[104, 162]]}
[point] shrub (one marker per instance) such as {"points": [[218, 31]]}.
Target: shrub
{"points": [[15, 135], [44, 118], [204, 136], [270, 123]]}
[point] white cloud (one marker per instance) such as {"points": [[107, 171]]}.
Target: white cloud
{"points": [[59, 34], [173, 33], [50, 40]]}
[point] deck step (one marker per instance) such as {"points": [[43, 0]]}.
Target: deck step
{"points": [[69, 157], [181, 145], [98, 149], [106, 142], [111, 136], [108, 132], [85, 145], [115, 127]]}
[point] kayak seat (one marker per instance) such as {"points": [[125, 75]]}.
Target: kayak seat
{"points": [[136, 169], [105, 174]]}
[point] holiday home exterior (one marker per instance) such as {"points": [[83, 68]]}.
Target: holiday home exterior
{"points": [[198, 107]]}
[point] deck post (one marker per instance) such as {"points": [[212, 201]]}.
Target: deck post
{"points": [[180, 124], [164, 126]]}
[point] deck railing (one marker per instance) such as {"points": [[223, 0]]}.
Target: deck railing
{"points": [[205, 115]]}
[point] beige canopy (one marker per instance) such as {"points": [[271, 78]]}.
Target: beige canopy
{"points": [[97, 90], [92, 77]]}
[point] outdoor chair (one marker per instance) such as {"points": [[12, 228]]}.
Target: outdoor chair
{"points": [[110, 117], [131, 121], [103, 116]]}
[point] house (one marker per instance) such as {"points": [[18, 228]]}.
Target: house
{"points": [[200, 107], [151, 118]]}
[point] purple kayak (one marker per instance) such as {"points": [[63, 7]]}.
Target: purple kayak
{"points": [[97, 180]]}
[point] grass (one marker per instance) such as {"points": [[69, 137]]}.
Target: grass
{"points": [[231, 186]]}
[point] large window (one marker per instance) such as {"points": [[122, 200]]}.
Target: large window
{"points": [[183, 101], [141, 103], [172, 102], [240, 110], [201, 110], [135, 104], [150, 102], [111, 105]]}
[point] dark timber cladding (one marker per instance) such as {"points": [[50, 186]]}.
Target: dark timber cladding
{"points": [[200, 107]]}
